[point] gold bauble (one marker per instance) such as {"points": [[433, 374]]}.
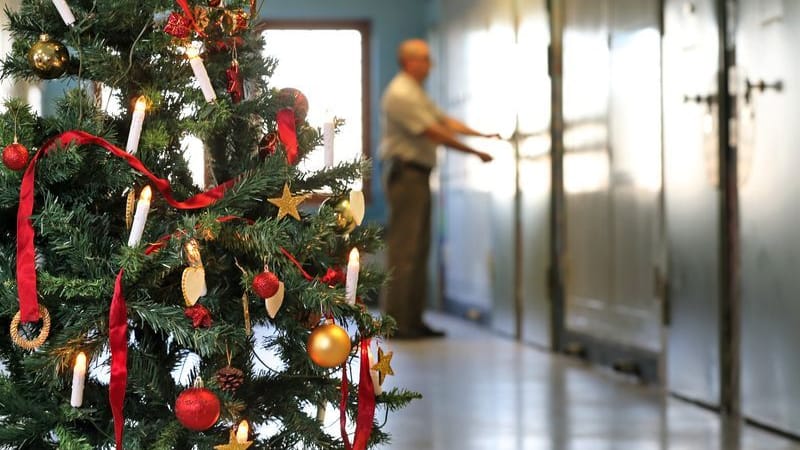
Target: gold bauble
{"points": [[48, 58], [345, 222], [328, 345]]}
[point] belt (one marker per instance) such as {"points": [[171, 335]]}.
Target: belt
{"points": [[402, 164]]}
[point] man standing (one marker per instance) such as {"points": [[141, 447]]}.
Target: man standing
{"points": [[413, 127]]}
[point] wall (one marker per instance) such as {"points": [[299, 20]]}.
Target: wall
{"points": [[392, 22]]}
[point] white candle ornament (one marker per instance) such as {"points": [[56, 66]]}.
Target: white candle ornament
{"points": [[351, 282], [242, 432], [78, 380], [137, 119], [328, 132], [140, 218], [65, 12], [200, 73]]}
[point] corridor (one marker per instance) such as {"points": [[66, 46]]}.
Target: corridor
{"points": [[486, 392]]}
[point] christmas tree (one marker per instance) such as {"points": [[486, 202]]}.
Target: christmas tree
{"points": [[123, 284]]}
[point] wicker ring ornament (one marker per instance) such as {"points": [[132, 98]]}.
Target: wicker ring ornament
{"points": [[31, 344]]}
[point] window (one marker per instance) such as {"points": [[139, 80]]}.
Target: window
{"points": [[328, 63]]}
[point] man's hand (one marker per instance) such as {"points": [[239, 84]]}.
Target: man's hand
{"points": [[485, 157]]}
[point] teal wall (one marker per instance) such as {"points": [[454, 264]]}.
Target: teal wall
{"points": [[392, 21]]}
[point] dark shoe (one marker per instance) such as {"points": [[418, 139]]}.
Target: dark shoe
{"points": [[403, 335], [423, 332], [428, 332]]}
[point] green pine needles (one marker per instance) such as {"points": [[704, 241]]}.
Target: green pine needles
{"points": [[118, 52]]}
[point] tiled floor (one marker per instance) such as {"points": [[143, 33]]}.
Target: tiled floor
{"points": [[486, 392]]}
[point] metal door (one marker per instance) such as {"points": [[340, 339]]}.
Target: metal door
{"points": [[692, 199], [586, 165], [478, 200], [533, 141], [768, 89], [612, 177]]}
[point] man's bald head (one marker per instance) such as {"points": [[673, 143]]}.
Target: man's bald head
{"points": [[414, 58]]}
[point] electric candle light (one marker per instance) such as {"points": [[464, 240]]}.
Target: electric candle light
{"points": [[139, 219], [136, 125], [65, 12], [242, 432], [199, 69], [78, 380], [351, 282], [328, 132]]}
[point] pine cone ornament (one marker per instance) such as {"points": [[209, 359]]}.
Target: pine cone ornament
{"points": [[230, 378]]}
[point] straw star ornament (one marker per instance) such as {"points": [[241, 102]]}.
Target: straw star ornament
{"points": [[384, 365], [234, 444], [287, 203]]}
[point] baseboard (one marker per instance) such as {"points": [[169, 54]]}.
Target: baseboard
{"points": [[636, 362], [478, 314]]}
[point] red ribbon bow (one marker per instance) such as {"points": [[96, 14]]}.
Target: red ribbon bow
{"points": [[187, 11], [333, 276], [178, 26]]}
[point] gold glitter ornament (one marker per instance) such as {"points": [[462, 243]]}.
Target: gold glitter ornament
{"points": [[130, 206]]}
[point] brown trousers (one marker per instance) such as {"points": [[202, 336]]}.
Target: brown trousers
{"points": [[409, 236]]}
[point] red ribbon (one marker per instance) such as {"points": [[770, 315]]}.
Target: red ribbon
{"points": [[366, 403], [118, 340], [26, 268], [188, 12], [332, 277], [287, 131], [294, 260], [26, 271]]}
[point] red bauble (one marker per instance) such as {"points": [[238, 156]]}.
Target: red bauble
{"points": [[15, 156], [293, 98], [197, 409], [266, 284], [200, 316]]}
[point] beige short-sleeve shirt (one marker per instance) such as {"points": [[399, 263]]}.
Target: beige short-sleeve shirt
{"points": [[407, 113]]}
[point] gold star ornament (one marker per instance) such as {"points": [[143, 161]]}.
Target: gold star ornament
{"points": [[384, 365], [234, 444], [287, 204]]}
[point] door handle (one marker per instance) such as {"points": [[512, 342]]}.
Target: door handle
{"points": [[709, 99], [760, 86]]}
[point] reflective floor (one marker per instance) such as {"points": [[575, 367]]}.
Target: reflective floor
{"points": [[487, 392]]}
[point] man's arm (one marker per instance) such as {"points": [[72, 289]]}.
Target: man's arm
{"points": [[456, 126], [441, 134]]}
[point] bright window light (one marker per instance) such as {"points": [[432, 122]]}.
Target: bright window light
{"points": [[326, 66]]}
